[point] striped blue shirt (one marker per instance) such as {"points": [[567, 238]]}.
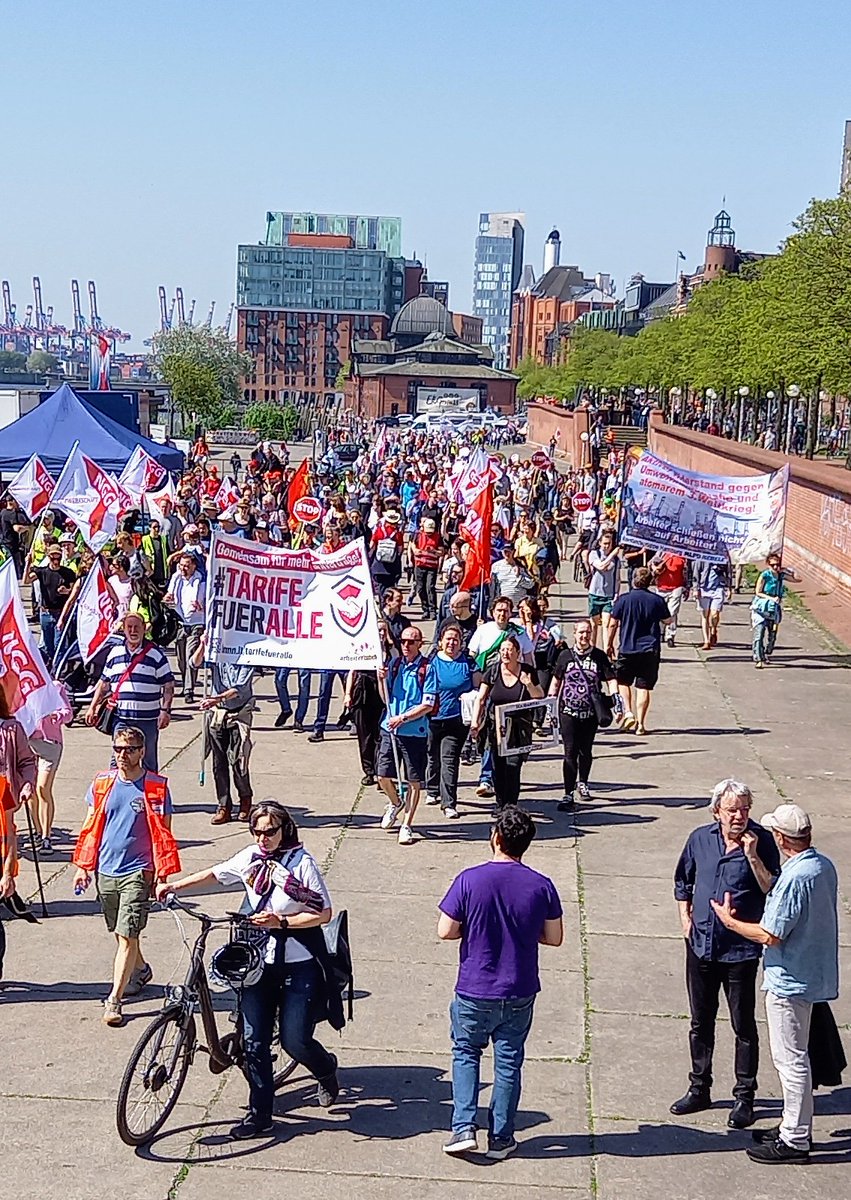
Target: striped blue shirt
{"points": [[140, 697]]}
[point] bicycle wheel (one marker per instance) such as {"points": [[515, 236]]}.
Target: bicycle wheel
{"points": [[154, 1076], [288, 1065]]}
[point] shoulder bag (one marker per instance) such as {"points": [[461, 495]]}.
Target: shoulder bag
{"points": [[105, 717]]}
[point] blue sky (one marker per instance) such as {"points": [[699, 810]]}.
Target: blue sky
{"points": [[143, 141]]}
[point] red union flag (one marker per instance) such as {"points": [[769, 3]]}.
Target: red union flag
{"points": [[24, 680], [90, 497], [227, 495], [95, 613], [474, 489], [154, 500], [32, 487], [141, 473]]}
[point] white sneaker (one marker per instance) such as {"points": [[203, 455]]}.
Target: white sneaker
{"points": [[432, 799], [406, 836], [451, 813], [391, 812], [584, 793]]}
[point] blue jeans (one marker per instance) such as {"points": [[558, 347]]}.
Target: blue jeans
{"points": [[764, 638], [48, 635], [473, 1024], [326, 686], [284, 990], [282, 675], [486, 769], [152, 737]]}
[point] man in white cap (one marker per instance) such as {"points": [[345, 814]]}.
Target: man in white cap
{"points": [[799, 931]]}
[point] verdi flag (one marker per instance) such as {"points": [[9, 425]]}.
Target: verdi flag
{"points": [[154, 500], [95, 613], [476, 532], [87, 494], [298, 488], [29, 691], [141, 473], [32, 487]]}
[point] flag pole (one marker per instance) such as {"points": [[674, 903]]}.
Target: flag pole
{"points": [[36, 863]]}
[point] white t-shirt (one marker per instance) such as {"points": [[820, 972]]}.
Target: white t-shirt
{"points": [[298, 862]]}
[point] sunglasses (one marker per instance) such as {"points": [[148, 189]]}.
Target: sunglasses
{"points": [[264, 833], [126, 749]]}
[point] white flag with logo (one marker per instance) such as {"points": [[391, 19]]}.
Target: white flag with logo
{"points": [[31, 694], [141, 473], [32, 487], [95, 613], [154, 500], [90, 497]]}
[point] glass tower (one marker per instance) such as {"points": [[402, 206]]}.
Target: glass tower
{"points": [[496, 275]]}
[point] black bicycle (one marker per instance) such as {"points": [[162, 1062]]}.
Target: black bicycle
{"points": [[157, 1068]]}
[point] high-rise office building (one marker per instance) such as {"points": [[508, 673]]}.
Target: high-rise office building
{"points": [[367, 233], [496, 274]]}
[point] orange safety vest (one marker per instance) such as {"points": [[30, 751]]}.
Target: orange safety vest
{"points": [[7, 825], [166, 855]]}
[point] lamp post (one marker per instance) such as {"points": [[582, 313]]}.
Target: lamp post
{"points": [[793, 393], [711, 396], [813, 415], [743, 393], [674, 396], [769, 402]]}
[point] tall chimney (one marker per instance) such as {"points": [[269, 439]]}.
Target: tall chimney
{"points": [[552, 250]]}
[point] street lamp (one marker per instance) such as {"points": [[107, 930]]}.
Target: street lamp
{"points": [[674, 394], [744, 391], [711, 396], [793, 392]]}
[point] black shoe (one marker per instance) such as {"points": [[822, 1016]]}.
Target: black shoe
{"points": [[741, 1115], [368, 780], [188, 697], [777, 1152], [692, 1102], [298, 727], [251, 1127], [328, 1089], [316, 737], [566, 804], [771, 1134], [281, 719]]}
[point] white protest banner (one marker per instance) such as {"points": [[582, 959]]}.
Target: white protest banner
{"points": [[95, 613], [32, 487], [717, 518], [24, 679], [275, 607]]}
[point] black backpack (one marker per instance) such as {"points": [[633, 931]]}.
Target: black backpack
{"points": [[164, 623]]}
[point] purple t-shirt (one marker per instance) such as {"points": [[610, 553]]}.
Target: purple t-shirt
{"points": [[501, 907]]}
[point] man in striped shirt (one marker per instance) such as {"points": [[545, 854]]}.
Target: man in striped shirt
{"points": [[145, 697]]}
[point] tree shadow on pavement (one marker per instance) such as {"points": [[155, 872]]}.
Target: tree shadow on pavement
{"points": [[376, 1103]]}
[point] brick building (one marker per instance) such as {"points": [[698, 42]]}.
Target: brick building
{"points": [[422, 358], [543, 312]]}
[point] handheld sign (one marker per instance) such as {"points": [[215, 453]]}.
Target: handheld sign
{"points": [[540, 459], [307, 509], [582, 502]]}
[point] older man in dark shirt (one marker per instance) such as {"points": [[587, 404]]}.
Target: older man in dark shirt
{"points": [[733, 854]]}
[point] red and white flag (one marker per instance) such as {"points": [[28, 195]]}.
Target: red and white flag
{"points": [[474, 489], [154, 500], [141, 473], [24, 679], [32, 487], [227, 495], [90, 497], [126, 499], [379, 450], [95, 612]]}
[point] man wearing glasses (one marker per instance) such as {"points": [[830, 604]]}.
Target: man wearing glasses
{"points": [[406, 724], [126, 844], [730, 855]]}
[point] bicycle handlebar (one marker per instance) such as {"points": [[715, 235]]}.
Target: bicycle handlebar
{"points": [[171, 901]]}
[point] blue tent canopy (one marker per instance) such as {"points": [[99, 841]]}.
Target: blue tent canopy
{"points": [[64, 418]]}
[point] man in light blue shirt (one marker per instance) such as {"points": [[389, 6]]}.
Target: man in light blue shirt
{"points": [[404, 734], [800, 933]]}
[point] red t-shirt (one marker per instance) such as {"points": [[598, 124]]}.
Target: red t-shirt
{"points": [[673, 573]]}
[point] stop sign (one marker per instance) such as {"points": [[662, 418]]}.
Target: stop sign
{"points": [[582, 502], [540, 459], [307, 509]]}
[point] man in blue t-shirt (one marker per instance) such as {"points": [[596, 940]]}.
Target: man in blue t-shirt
{"points": [[501, 911], [404, 734], [640, 616]]}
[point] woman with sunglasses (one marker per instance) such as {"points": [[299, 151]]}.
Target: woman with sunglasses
{"points": [[288, 901]]}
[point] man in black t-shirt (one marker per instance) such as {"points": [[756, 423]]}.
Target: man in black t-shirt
{"points": [[11, 527], [640, 615], [579, 673], [55, 583]]}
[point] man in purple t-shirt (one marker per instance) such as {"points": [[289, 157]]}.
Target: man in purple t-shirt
{"points": [[501, 911]]}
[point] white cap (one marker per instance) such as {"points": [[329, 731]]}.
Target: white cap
{"points": [[788, 819]]}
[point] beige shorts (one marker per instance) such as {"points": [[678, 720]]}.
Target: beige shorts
{"points": [[49, 754]]}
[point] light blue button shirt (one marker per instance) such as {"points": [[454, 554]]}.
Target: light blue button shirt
{"points": [[801, 910]]}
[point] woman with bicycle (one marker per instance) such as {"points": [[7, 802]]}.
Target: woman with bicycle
{"points": [[288, 903]]}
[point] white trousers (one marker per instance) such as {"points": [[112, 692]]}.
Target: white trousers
{"points": [[673, 599], [788, 1036]]}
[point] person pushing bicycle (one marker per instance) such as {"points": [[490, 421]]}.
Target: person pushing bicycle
{"points": [[288, 901]]}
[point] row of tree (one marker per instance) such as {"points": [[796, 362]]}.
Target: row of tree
{"points": [[787, 318]]}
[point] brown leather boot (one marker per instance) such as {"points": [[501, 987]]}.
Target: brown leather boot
{"points": [[221, 816], [244, 810]]}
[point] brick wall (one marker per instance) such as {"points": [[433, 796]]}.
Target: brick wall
{"points": [[546, 419], [818, 514]]}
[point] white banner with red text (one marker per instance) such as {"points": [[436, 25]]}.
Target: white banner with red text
{"points": [[273, 607]]}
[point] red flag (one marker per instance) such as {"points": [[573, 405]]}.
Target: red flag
{"points": [[141, 473], [297, 489], [32, 487], [30, 693], [476, 532], [88, 495], [227, 495], [95, 613]]}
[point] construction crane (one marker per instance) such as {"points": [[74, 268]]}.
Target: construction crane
{"points": [[171, 312], [209, 322], [228, 321], [39, 311], [96, 325], [181, 315], [165, 321], [191, 313]]}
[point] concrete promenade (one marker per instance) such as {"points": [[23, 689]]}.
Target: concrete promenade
{"points": [[608, 1052]]}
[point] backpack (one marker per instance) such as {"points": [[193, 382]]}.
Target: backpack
{"points": [[422, 670], [164, 623]]}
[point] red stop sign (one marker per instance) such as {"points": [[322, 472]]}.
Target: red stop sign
{"points": [[540, 459], [307, 509], [582, 502]]}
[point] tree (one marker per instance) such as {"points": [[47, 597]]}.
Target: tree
{"points": [[41, 362], [272, 421], [344, 373], [203, 368], [12, 360]]}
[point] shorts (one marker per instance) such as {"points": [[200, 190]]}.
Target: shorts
{"points": [[711, 601], [599, 604], [412, 755], [48, 754], [639, 669], [126, 901]]}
